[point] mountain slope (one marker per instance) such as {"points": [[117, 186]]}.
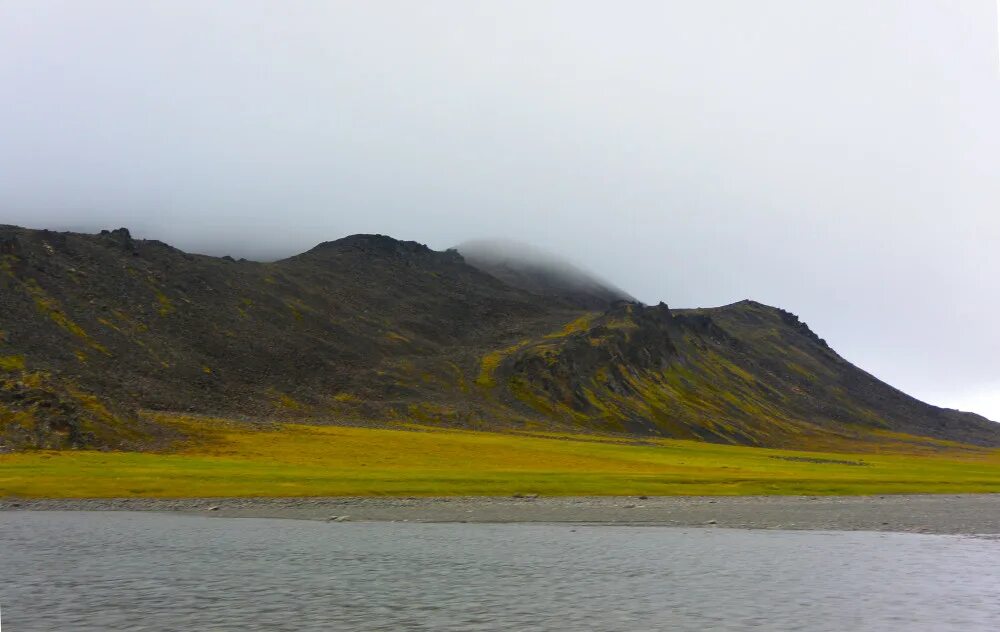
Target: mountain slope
{"points": [[362, 327], [745, 373], [369, 329]]}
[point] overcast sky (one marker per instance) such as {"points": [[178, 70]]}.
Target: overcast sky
{"points": [[840, 159]]}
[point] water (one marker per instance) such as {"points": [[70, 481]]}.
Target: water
{"points": [[133, 571]]}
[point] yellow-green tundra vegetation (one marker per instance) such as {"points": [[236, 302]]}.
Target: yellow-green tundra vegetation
{"points": [[228, 459]]}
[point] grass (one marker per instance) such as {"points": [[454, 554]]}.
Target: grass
{"points": [[299, 460]]}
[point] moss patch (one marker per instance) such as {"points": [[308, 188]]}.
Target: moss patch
{"points": [[12, 363]]}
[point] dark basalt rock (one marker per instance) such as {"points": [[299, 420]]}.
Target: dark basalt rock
{"points": [[9, 245], [120, 236]]}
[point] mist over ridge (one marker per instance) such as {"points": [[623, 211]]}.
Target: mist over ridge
{"points": [[534, 269]]}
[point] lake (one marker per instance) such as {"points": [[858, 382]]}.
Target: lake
{"points": [[144, 571]]}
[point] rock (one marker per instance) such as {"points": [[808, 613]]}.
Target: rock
{"points": [[629, 506], [712, 522], [9, 245], [337, 518], [120, 236], [213, 508]]}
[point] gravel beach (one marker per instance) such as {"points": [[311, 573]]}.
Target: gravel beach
{"points": [[944, 514]]}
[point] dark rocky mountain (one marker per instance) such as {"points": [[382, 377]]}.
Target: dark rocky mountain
{"points": [[96, 331]]}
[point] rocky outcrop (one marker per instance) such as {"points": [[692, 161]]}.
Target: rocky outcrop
{"points": [[38, 411]]}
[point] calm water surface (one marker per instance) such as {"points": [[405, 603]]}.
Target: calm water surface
{"points": [[133, 571]]}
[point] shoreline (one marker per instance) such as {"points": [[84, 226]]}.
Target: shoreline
{"points": [[956, 514]]}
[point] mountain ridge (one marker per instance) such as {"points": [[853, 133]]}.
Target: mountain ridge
{"points": [[95, 329]]}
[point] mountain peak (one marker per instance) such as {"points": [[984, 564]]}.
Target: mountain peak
{"points": [[373, 243]]}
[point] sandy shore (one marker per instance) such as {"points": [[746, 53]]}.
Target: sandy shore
{"points": [[953, 514]]}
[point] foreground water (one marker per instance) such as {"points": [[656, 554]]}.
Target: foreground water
{"points": [[135, 571]]}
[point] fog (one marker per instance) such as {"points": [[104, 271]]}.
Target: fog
{"points": [[837, 158], [540, 266]]}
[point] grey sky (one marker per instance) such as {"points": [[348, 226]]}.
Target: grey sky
{"points": [[839, 158]]}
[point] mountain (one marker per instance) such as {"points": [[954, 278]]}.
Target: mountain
{"points": [[541, 273], [96, 331]]}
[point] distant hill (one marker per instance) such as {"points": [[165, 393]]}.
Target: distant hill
{"points": [[97, 329]]}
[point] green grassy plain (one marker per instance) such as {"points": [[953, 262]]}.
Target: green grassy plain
{"points": [[300, 460]]}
